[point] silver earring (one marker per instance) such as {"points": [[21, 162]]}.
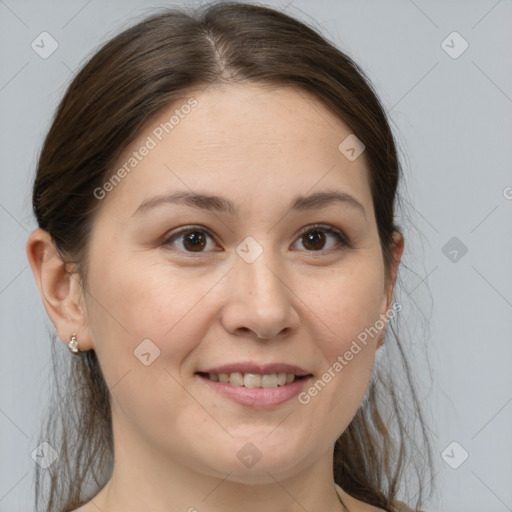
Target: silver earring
{"points": [[73, 344]]}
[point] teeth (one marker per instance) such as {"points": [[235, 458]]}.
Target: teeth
{"points": [[269, 381], [236, 379], [253, 380]]}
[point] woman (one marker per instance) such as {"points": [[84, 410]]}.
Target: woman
{"points": [[217, 247]]}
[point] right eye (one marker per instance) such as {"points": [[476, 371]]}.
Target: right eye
{"points": [[193, 239]]}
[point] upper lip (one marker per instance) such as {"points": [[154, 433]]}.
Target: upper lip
{"points": [[263, 369]]}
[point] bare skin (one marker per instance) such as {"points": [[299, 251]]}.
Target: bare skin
{"points": [[301, 302]]}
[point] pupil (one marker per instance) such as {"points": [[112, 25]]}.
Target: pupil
{"points": [[314, 237], [196, 239]]}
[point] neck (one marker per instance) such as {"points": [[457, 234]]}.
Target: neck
{"points": [[144, 478]]}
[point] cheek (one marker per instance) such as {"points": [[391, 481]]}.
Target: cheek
{"points": [[131, 301], [349, 303], [143, 323], [347, 311]]}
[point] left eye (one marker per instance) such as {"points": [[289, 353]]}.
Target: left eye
{"points": [[315, 236], [195, 239]]}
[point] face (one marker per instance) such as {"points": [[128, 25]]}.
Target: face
{"points": [[262, 280]]}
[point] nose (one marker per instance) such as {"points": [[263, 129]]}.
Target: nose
{"points": [[259, 301]]}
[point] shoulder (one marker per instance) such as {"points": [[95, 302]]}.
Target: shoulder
{"points": [[356, 505], [402, 507], [87, 507]]}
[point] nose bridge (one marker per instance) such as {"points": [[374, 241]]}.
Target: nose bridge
{"points": [[257, 266], [258, 298]]}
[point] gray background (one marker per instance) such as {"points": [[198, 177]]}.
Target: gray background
{"points": [[453, 121]]}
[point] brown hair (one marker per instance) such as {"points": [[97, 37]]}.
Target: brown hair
{"points": [[128, 81]]}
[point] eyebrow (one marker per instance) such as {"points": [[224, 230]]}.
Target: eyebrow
{"points": [[223, 205]]}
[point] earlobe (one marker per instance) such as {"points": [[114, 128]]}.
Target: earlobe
{"points": [[60, 289], [380, 339], [397, 251]]}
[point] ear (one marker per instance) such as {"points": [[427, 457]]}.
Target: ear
{"points": [[60, 289], [397, 251]]}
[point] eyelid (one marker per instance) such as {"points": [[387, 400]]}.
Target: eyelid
{"points": [[329, 229], [343, 240], [186, 229]]}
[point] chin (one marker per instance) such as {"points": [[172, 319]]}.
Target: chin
{"points": [[253, 463]]}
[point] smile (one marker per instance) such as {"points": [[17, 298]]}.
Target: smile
{"points": [[252, 380], [255, 390]]}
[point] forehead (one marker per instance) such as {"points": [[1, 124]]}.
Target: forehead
{"points": [[248, 139]]}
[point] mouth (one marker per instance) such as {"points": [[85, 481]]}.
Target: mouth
{"points": [[256, 386], [253, 380]]}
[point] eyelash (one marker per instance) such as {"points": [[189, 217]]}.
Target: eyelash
{"points": [[343, 241]]}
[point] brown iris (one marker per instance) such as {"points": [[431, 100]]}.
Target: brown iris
{"points": [[194, 241], [314, 238]]}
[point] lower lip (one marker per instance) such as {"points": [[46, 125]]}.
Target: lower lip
{"points": [[257, 397]]}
